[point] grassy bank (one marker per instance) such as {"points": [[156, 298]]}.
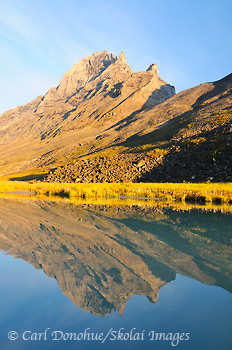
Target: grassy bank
{"points": [[215, 193]]}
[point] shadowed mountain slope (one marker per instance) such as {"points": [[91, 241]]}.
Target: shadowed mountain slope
{"points": [[188, 137], [196, 133]]}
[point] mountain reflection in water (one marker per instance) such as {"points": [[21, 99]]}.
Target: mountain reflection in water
{"points": [[101, 256]]}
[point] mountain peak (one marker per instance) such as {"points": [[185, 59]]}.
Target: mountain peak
{"points": [[96, 95], [82, 72]]}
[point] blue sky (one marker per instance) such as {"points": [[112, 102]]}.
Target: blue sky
{"points": [[190, 41]]}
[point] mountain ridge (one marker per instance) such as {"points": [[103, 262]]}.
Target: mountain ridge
{"points": [[101, 108]]}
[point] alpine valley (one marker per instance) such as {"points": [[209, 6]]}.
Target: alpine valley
{"points": [[106, 123]]}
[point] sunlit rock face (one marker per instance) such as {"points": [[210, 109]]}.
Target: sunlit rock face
{"points": [[93, 96], [102, 256]]}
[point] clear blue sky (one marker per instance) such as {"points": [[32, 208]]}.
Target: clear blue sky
{"points": [[191, 41]]}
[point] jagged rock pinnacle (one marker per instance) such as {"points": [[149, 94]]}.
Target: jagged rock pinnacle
{"points": [[153, 67], [122, 57]]}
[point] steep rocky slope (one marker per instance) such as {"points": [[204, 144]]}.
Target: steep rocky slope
{"points": [[186, 138], [198, 135], [97, 93]]}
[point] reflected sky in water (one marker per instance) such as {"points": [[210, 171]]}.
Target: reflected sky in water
{"points": [[103, 268]]}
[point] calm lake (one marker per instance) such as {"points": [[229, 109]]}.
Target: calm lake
{"points": [[105, 277]]}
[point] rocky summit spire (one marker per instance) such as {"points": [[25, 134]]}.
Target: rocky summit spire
{"points": [[84, 71], [153, 68], [122, 58]]}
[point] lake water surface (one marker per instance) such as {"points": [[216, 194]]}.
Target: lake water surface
{"points": [[101, 277]]}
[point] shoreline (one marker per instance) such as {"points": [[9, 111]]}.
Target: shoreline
{"points": [[190, 193]]}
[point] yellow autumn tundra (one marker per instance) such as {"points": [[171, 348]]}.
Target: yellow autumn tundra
{"points": [[217, 193]]}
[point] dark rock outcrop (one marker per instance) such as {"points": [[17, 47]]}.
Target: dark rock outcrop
{"points": [[118, 168]]}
